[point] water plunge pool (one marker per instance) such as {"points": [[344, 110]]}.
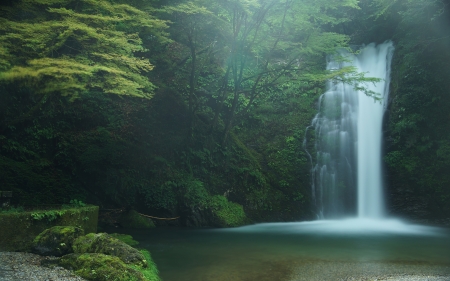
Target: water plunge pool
{"points": [[318, 250]]}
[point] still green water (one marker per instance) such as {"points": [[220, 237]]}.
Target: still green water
{"points": [[324, 250]]}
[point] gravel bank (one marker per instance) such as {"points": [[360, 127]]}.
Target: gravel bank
{"points": [[16, 266], [369, 271], [26, 267]]}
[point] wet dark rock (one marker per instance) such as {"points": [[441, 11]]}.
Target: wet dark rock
{"points": [[56, 241]]}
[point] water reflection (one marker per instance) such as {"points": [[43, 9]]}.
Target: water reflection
{"points": [[281, 250]]}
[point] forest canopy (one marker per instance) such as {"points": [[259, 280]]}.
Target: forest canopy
{"points": [[200, 107], [72, 47]]}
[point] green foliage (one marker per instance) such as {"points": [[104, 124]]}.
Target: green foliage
{"points": [[162, 196], [150, 272], [195, 194], [77, 203], [251, 49], [12, 210], [411, 10], [228, 213], [418, 136], [70, 51], [237, 84], [47, 215]]}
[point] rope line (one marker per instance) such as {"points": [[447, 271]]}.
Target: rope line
{"points": [[121, 210], [158, 218]]}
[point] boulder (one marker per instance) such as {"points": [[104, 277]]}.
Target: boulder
{"points": [[125, 238], [56, 241], [100, 267], [104, 243]]}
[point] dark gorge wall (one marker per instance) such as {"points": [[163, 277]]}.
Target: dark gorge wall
{"points": [[417, 126], [417, 122]]}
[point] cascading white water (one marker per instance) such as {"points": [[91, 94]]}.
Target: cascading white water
{"points": [[347, 176], [376, 61]]}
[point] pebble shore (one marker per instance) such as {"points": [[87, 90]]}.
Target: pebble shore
{"points": [[369, 271], [17, 266]]}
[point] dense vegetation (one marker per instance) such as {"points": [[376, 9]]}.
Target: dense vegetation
{"points": [[418, 126], [198, 109]]}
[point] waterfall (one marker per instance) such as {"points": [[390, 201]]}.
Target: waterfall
{"points": [[347, 175]]}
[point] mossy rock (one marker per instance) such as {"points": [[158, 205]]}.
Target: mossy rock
{"points": [[132, 219], [226, 213], [19, 229], [104, 243], [151, 271], [125, 238], [100, 267], [56, 241]]}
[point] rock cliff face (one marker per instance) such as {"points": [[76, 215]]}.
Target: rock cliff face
{"points": [[417, 139]]}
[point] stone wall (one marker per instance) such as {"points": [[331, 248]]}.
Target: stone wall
{"points": [[17, 230]]}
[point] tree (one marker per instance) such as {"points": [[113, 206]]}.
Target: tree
{"points": [[72, 47], [257, 48], [275, 46]]}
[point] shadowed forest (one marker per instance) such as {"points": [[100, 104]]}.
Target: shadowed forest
{"points": [[198, 109]]}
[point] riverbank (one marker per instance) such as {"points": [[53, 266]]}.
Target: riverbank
{"points": [[323, 270], [317, 270], [19, 266]]}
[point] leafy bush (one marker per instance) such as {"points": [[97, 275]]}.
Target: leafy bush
{"points": [[228, 213], [195, 194]]}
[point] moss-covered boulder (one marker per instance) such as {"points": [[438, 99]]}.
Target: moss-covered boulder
{"points": [[226, 213], [56, 241], [125, 238], [103, 243], [133, 219], [100, 267]]}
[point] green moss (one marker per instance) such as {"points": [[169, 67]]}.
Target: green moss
{"points": [[132, 219], [18, 230], [227, 213], [151, 271], [56, 241], [127, 239], [100, 267], [106, 244], [107, 258]]}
